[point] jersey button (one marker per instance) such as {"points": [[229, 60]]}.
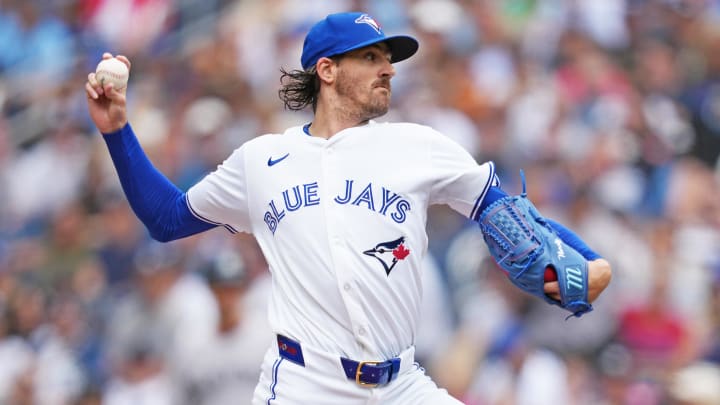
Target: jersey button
{"points": [[361, 331], [347, 286]]}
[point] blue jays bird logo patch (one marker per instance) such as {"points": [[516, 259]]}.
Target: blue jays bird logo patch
{"points": [[389, 253], [366, 19]]}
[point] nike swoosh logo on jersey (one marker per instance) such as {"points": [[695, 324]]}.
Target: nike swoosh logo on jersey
{"points": [[272, 162]]}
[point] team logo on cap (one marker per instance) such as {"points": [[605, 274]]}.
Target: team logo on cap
{"points": [[389, 253], [366, 19]]}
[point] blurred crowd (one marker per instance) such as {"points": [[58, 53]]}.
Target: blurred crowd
{"points": [[611, 108]]}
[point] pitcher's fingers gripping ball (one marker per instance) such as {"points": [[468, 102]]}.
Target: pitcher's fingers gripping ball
{"points": [[525, 245], [112, 71]]}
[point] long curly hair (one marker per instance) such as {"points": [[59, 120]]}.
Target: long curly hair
{"points": [[299, 88]]}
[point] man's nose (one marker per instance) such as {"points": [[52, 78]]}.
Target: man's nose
{"points": [[388, 70]]}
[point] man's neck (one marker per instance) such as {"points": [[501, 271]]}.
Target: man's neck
{"points": [[331, 118], [323, 129]]}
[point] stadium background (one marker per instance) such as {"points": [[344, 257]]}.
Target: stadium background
{"points": [[611, 107]]}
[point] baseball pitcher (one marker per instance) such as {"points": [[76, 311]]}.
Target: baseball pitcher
{"points": [[339, 206]]}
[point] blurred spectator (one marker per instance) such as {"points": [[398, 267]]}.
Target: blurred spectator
{"points": [[205, 126], [226, 369], [35, 47], [657, 338], [517, 373], [65, 348], [141, 377], [68, 247], [169, 314], [110, 19], [702, 98], [16, 355], [120, 238], [696, 384], [62, 156], [712, 330], [26, 306]]}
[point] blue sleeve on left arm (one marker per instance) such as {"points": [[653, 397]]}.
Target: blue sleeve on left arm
{"points": [[573, 240]]}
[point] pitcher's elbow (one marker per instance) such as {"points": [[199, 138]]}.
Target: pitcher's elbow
{"points": [[160, 235]]}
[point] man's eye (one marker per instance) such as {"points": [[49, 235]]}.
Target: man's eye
{"points": [[370, 56]]}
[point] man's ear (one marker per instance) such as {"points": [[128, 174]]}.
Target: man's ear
{"points": [[326, 69]]}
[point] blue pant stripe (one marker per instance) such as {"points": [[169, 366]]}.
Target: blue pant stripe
{"points": [[276, 367]]}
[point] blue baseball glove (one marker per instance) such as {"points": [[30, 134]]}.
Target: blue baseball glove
{"points": [[524, 245]]}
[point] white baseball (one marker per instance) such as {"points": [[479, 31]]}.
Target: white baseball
{"points": [[112, 71]]}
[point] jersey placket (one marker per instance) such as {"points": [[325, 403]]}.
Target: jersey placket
{"points": [[345, 276]]}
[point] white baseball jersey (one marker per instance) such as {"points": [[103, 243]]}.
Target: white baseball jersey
{"points": [[341, 222]]}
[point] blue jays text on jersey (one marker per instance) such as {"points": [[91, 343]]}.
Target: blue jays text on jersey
{"points": [[304, 195]]}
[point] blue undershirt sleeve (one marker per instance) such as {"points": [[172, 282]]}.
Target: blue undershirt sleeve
{"points": [[159, 204], [573, 240], [493, 194]]}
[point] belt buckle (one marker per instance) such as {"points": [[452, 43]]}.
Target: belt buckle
{"points": [[358, 372]]}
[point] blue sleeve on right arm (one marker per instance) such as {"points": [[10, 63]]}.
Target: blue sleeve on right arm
{"points": [[158, 203], [493, 194]]}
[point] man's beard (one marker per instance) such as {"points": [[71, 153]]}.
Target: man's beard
{"points": [[374, 107]]}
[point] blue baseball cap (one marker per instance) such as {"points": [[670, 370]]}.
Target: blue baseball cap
{"points": [[344, 32]]}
